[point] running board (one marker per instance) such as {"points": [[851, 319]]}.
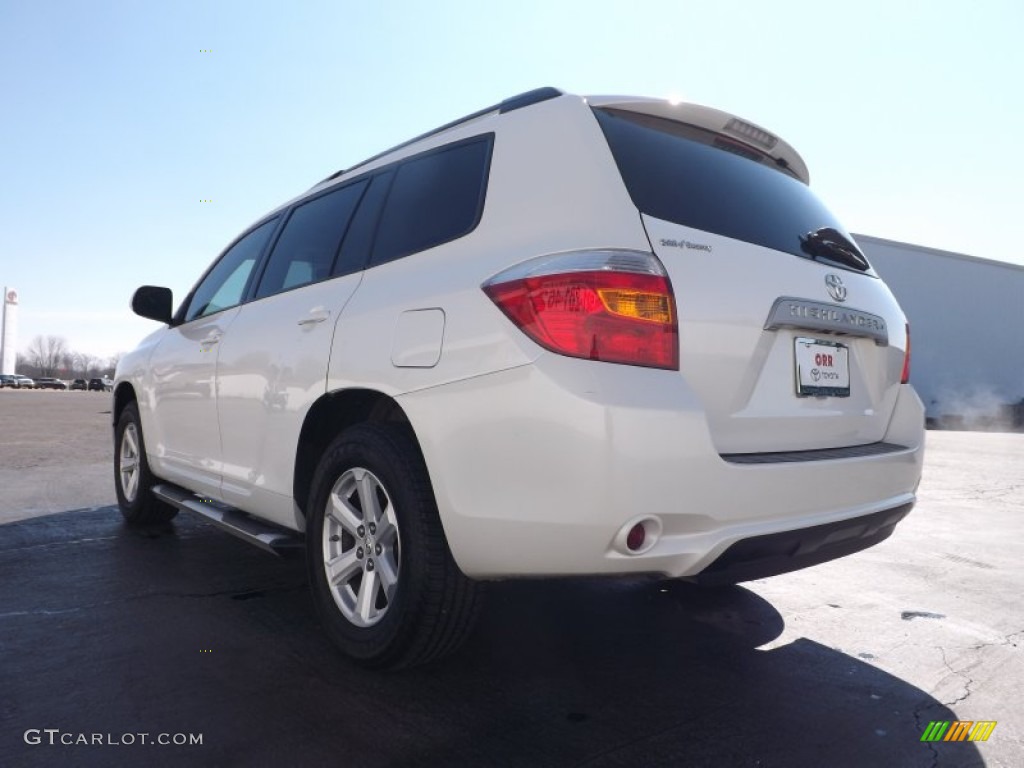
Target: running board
{"points": [[272, 538]]}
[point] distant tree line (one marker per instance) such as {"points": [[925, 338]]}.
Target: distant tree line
{"points": [[50, 356]]}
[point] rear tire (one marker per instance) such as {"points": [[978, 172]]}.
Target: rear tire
{"points": [[384, 582], [133, 480]]}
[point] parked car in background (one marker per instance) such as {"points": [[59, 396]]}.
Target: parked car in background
{"points": [[50, 383], [24, 382], [562, 336], [81, 384], [7, 380], [100, 385]]}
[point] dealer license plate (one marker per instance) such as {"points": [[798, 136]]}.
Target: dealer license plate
{"points": [[822, 368]]}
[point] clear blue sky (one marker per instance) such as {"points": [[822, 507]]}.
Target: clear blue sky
{"points": [[115, 125]]}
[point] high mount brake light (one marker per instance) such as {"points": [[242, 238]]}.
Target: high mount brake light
{"points": [[905, 377], [612, 306]]}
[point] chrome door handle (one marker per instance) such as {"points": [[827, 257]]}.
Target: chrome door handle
{"points": [[315, 316]]}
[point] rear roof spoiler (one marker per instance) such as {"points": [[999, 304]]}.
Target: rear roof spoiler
{"points": [[734, 128]]}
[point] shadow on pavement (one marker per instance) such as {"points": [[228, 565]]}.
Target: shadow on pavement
{"points": [[106, 630]]}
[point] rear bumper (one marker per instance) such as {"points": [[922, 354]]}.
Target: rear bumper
{"points": [[775, 553], [539, 470]]}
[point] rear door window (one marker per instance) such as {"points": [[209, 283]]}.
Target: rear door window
{"points": [[435, 197], [355, 250], [309, 243], [690, 176]]}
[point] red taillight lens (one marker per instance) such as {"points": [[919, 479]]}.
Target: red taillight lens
{"points": [[612, 316], [905, 377]]}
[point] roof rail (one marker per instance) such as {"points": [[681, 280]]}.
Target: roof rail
{"points": [[535, 96], [510, 104]]}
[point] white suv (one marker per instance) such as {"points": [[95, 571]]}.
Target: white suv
{"points": [[562, 335]]}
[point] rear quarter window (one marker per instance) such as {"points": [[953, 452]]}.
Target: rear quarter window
{"points": [[434, 198]]}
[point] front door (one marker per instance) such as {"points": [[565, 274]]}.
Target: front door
{"points": [[182, 433]]}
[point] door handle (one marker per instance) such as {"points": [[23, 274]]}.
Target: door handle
{"points": [[209, 341], [315, 316]]}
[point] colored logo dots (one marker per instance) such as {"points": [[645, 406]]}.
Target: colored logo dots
{"points": [[209, 200], [961, 730], [206, 50]]}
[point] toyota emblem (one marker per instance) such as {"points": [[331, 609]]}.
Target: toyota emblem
{"points": [[835, 286]]}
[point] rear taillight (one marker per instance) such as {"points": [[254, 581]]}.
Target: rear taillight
{"points": [[905, 377], [609, 305]]}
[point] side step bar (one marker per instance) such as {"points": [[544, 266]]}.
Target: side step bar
{"points": [[280, 541]]}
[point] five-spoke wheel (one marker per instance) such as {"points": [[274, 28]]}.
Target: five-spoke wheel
{"points": [[383, 579], [132, 478], [128, 462]]}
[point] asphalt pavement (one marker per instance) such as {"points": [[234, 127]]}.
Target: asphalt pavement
{"points": [[113, 640]]}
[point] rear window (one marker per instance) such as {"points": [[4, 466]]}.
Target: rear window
{"points": [[699, 179]]}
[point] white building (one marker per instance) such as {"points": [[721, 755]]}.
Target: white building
{"points": [[9, 332], [966, 329]]}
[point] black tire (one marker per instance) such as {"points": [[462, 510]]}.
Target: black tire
{"points": [[433, 606], [138, 505]]}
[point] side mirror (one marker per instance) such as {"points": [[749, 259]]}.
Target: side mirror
{"points": [[153, 302]]}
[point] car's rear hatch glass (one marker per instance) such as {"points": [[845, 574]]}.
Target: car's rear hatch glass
{"points": [[701, 179]]}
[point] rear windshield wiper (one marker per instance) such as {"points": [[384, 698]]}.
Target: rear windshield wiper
{"points": [[831, 244]]}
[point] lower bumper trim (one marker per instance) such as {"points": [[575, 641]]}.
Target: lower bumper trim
{"points": [[775, 553], [822, 454]]}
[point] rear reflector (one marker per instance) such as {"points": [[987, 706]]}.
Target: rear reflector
{"points": [[905, 377], [636, 536], [612, 306]]}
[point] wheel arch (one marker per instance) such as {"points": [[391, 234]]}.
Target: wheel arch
{"points": [[330, 415], [124, 393]]}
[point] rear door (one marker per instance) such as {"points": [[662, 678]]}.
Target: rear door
{"points": [[786, 334], [273, 363]]}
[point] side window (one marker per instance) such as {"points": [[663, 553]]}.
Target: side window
{"points": [[309, 242], [225, 284], [434, 198], [355, 250]]}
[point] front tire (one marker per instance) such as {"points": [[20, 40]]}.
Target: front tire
{"points": [[383, 580], [132, 478]]}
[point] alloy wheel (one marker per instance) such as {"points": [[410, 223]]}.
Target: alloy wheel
{"points": [[361, 547], [128, 463]]}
